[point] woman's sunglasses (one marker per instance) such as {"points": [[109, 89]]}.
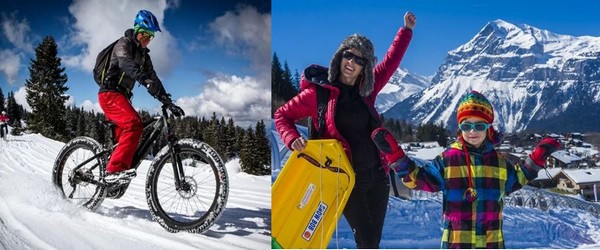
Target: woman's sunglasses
{"points": [[480, 126], [357, 59]]}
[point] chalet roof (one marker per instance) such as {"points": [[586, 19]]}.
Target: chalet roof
{"points": [[565, 156], [580, 176], [543, 176]]}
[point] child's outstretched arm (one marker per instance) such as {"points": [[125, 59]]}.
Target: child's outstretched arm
{"points": [[415, 175], [519, 174]]}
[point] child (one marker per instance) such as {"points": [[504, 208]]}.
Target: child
{"points": [[473, 177]]}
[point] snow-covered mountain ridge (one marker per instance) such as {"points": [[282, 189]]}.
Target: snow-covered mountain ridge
{"points": [[534, 78]]}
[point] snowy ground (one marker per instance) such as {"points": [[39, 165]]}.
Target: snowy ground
{"points": [[33, 214], [417, 223]]}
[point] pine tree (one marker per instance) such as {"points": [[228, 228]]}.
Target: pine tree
{"points": [[2, 106], [46, 92], [276, 84], [289, 91], [230, 148], [262, 149], [248, 160], [296, 81], [209, 134], [13, 110], [239, 140], [220, 140]]}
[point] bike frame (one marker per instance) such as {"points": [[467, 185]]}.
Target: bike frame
{"points": [[159, 124]]}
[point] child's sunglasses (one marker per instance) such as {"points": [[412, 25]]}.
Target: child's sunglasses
{"points": [[480, 126]]}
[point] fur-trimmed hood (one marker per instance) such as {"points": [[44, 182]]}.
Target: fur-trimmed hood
{"points": [[367, 50]]}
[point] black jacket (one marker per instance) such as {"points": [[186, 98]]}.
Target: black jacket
{"points": [[129, 63]]}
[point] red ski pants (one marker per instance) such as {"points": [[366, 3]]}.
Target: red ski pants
{"points": [[128, 131]]}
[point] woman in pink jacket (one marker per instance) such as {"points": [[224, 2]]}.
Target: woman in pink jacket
{"points": [[353, 81]]}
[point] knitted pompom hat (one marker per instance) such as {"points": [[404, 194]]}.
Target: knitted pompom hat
{"points": [[365, 47], [475, 104]]}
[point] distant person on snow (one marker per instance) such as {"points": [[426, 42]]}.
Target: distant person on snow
{"points": [[353, 80], [130, 62], [472, 175], [4, 124]]}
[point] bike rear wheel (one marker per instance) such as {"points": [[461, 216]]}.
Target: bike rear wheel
{"points": [[202, 198], [78, 186]]}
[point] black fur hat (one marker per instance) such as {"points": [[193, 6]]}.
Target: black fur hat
{"points": [[365, 47]]}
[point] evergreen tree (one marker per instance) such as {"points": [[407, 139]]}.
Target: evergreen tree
{"points": [[296, 81], [282, 89], [220, 140], [239, 139], [2, 106], [276, 84], [209, 133], [230, 148], [16, 128], [46, 92], [262, 149], [248, 161], [14, 110]]}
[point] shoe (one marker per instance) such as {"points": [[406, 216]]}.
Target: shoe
{"points": [[122, 177]]}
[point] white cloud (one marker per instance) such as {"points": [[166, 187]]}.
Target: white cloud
{"points": [[242, 32], [9, 65], [99, 23], [70, 101], [21, 98], [17, 32], [247, 32], [241, 98], [88, 105]]}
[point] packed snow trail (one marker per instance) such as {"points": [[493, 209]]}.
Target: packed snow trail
{"points": [[33, 214]]}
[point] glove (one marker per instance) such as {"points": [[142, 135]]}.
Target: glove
{"points": [[176, 110], [544, 149], [386, 143]]}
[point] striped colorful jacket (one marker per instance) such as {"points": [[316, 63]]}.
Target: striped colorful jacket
{"points": [[466, 224]]}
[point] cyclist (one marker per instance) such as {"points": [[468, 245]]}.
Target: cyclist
{"points": [[130, 62], [4, 124]]}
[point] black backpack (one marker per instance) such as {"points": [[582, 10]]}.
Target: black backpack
{"points": [[102, 61], [322, 100]]}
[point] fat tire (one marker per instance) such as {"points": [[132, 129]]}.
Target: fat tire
{"points": [[209, 156], [65, 154]]}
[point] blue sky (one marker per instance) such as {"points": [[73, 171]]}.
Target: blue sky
{"points": [[212, 56], [307, 32]]}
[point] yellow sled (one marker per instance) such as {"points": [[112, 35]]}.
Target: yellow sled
{"points": [[309, 195]]}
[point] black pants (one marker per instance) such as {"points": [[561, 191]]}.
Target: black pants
{"points": [[366, 207], [3, 130]]}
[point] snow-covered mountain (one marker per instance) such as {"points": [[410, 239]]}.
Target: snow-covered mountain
{"points": [[401, 85], [33, 214], [534, 78]]}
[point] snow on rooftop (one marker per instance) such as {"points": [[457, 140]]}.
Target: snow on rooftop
{"points": [[583, 175], [542, 175], [565, 156]]}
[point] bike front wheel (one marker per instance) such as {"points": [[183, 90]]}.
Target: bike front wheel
{"points": [[80, 185], [201, 197]]}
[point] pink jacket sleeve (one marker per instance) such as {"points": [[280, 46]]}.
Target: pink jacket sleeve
{"points": [[386, 68], [302, 105]]}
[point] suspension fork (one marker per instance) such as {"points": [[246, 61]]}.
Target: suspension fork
{"points": [[177, 165], [174, 150]]}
